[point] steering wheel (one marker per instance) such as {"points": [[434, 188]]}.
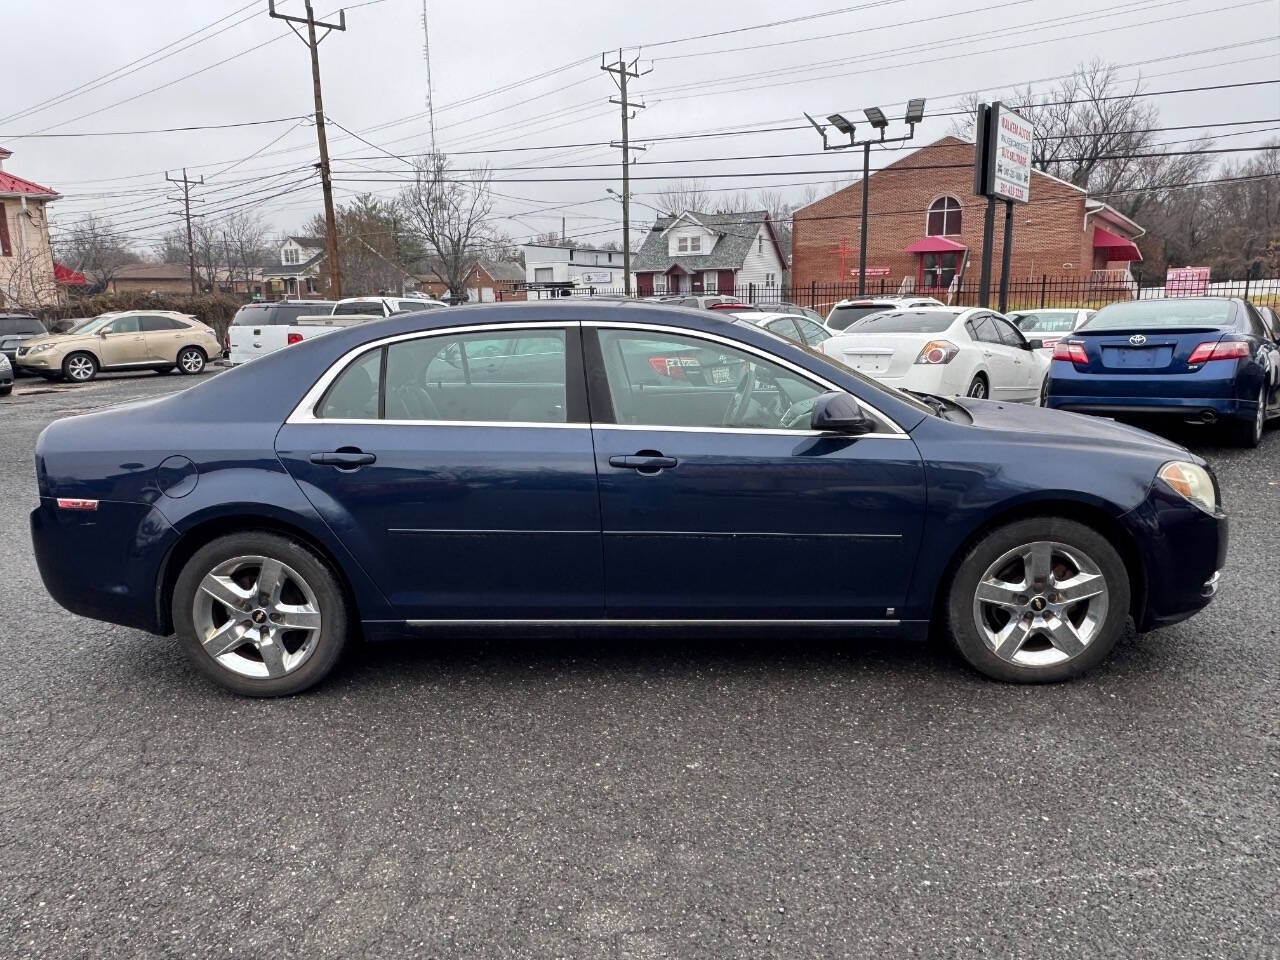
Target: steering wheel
{"points": [[797, 414], [740, 402]]}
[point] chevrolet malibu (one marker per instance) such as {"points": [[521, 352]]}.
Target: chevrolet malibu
{"points": [[609, 466]]}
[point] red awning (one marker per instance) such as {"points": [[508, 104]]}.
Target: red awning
{"points": [[1116, 246], [68, 277], [936, 245]]}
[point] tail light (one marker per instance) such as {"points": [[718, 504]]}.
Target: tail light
{"points": [[292, 339], [1062, 350], [937, 351], [672, 366], [1222, 350]]}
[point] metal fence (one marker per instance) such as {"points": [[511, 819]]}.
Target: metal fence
{"points": [[1025, 293]]}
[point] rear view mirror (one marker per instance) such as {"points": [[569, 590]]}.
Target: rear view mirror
{"points": [[837, 412]]}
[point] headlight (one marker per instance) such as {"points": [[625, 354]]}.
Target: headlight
{"points": [[41, 348], [1192, 482]]}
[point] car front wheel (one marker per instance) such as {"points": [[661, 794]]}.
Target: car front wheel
{"points": [[80, 367], [1038, 601], [191, 360], [260, 614], [978, 388]]}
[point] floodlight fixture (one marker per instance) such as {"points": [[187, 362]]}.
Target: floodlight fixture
{"points": [[915, 111], [876, 117], [840, 123]]}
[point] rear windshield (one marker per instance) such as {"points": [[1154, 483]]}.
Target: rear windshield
{"points": [[12, 325], [1045, 321], [905, 321], [368, 308], [841, 317], [1161, 313]]}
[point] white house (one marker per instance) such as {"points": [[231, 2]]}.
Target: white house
{"points": [[550, 270], [711, 253], [298, 272]]}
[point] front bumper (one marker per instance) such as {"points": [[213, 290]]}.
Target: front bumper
{"points": [[104, 563], [36, 362], [1183, 551]]}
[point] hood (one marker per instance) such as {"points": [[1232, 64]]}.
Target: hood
{"points": [[57, 338], [1039, 424]]}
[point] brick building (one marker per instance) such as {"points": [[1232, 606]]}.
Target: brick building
{"points": [[924, 221]]}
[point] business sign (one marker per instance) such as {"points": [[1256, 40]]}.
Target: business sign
{"points": [[1002, 155], [1188, 281], [872, 272], [601, 276]]}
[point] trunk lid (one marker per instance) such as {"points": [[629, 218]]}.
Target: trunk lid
{"points": [[879, 355], [1143, 350]]}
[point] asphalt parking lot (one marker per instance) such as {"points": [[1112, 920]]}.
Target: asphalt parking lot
{"points": [[679, 799]]}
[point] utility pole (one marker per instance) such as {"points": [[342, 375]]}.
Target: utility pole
{"points": [[326, 183], [621, 71], [187, 184]]}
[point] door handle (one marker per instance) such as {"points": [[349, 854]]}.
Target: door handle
{"points": [[346, 459], [643, 462]]}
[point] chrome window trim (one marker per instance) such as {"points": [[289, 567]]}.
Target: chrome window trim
{"points": [[893, 431]]}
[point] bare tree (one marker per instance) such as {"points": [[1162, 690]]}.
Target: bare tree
{"points": [[27, 278], [244, 243], [450, 213], [92, 246], [681, 195]]}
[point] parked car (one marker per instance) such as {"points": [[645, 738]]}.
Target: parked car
{"points": [[124, 340], [792, 308], [710, 301], [385, 306], [798, 329], [260, 328], [1049, 325], [16, 327], [6, 376], [1202, 359], [563, 493], [1272, 322], [947, 352], [847, 312]]}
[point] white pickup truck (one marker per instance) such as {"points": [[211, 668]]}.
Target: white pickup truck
{"points": [[262, 328]]}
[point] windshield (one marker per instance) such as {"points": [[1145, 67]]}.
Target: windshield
{"points": [[841, 317], [1160, 313], [1045, 321], [906, 321], [14, 325], [93, 324]]}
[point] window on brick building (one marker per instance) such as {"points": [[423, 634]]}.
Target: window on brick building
{"points": [[944, 218]]}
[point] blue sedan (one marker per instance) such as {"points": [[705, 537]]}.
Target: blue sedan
{"points": [[609, 466], [1203, 360]]}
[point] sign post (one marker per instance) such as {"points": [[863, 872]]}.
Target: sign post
{"points": [[1002, 171]]}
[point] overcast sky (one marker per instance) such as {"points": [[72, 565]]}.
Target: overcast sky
{"points": [[375, 83]]}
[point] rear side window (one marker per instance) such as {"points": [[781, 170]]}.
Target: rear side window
{"points": [[1008, 336], [813, 333], [355, 394], [158, 324], [783, 327]]}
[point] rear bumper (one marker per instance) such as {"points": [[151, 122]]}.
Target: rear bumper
{"points": [[1183, 551], [940, 379], [1184, 408], [103, 563]]}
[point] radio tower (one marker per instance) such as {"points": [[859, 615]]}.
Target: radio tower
{"points": [[426, 55]]}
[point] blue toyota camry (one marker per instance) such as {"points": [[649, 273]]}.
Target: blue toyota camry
{"points": [[609, 466], [1202, 359]]}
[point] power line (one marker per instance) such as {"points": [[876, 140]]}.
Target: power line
{"points": [[135, 133]]}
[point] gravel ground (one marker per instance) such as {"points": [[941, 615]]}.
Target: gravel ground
{"points": [[680, 799]]}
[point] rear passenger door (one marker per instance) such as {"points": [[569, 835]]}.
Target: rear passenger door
{"points": [[164, 336], [1029, 369], [463, 497], [1006, 378]]}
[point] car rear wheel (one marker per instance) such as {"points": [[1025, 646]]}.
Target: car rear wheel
{"points": [[1249, 433], [80, 367], [191, 360], [1038, 601], [978, 388], [1044, 392], [6, 390], [260, 614]]}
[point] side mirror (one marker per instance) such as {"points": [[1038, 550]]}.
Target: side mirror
{"points": [[103, 332], [1035, 345], [837, 412]]}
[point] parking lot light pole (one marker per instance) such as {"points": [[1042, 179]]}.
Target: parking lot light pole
{"points": [[875, 116]]}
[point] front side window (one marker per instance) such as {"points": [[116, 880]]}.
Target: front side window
{"points": [[944, 218], [812, 333], [672, 380], [1008, 335], [125, 325], [783, 327]]}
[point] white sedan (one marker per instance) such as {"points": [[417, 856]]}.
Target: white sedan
{"points": [[948, 352], [1050, 324]]}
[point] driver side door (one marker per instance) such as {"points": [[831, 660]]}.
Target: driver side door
{"points": [[123, 343], [717, 500]]}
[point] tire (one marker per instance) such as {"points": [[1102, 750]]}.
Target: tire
{"points": [[1044, 392], [191, 360], [1248, 433], [308, 591], [1087, 628], [165, 369], [6, 390], [80, 367], [978, 388]]}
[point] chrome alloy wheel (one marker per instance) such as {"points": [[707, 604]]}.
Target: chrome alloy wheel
{"points": [[192, 361], [80, 369], [1260, 418], [256, 616], [1040, 604]]}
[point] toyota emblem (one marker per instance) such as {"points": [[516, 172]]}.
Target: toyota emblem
{"points": [[1137, 339]]}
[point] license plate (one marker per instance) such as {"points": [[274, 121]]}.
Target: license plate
{"points": [[868, 363], [721, 375]]}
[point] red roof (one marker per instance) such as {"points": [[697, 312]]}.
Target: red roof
{"points": [[68, 277], [1117, 247], [935, 245], [11, 185]]}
